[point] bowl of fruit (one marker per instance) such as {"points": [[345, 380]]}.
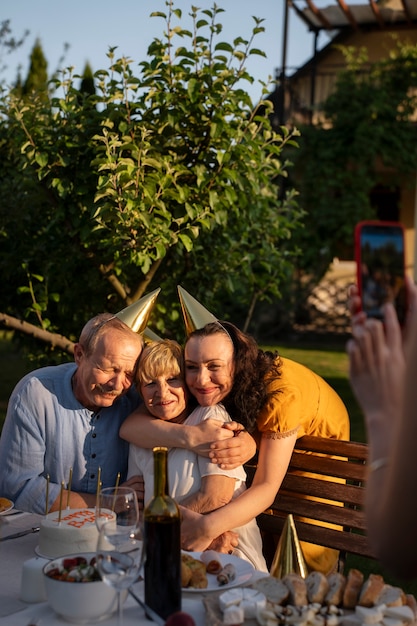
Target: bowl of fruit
{"points": [[75, 590]]}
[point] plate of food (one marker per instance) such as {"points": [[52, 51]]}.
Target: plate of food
{"points": [[213, 571], [6, 505]]}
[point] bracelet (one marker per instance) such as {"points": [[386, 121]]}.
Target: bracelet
{"points": [[377, 464]]}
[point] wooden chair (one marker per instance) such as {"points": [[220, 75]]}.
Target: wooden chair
{"points": [[347, 462]]}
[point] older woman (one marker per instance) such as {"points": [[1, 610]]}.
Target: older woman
{"points": [[194, 481]]}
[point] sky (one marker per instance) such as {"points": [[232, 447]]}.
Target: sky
{"points": [[90, 27]]}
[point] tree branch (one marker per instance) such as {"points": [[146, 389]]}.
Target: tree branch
{"points": [[56, 341]]}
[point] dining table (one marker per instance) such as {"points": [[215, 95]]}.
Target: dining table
{"points": [[14, 611]]}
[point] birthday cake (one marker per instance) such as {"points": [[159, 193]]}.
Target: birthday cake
{"points": [[71, 532]]}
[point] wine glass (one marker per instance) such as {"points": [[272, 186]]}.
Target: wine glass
{"points": [[120, 503], [120, 557]]}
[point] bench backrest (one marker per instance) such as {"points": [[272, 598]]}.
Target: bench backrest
{"points": [[325, 458]]}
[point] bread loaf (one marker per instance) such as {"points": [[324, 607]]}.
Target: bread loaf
{"points": [[354, 582], [391, 596], [371, 589], [273, 588], [297, 588], [337, 584], [317, 587]]}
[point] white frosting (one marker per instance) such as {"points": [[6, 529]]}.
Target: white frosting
{"points": [[76, 532]]}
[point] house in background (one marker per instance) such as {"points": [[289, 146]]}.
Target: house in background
{"points": [[369, 24], [376, 26]]}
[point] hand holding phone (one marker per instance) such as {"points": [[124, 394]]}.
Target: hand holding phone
{"points": [[380, 263]]}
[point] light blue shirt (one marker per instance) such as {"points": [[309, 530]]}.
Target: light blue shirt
{"points": [[47, 431]]}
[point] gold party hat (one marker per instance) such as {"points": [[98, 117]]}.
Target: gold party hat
{"points": [[136, 315], [150, 336], [289, 557], [195, 315]]}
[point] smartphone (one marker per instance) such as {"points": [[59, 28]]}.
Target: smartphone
{"points": [[380, 266]]}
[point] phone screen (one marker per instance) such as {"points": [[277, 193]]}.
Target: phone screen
{"points": [[380, 267]]}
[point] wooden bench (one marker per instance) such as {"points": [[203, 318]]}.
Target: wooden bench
{"points": [[347, 462]]}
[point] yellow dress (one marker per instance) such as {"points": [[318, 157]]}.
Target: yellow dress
{"points": [[303, 402]]}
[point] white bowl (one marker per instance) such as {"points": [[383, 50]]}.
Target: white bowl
{"points": [[80, 602]]}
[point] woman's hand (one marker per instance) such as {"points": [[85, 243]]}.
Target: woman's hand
{"points": [[195, 534], [225, 543], [204, 434], [230, 453]]}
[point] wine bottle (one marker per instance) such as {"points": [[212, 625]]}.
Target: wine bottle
{"points": [[162, 569]]}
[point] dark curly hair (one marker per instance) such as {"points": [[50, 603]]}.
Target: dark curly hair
{"points": [[253, 367]]}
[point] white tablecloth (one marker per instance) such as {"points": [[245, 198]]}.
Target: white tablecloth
{"points": [[15, 612]]}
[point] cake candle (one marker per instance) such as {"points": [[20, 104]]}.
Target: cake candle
{"points": [[69, 488], [47, 495], [61, 495], [98, 488]]}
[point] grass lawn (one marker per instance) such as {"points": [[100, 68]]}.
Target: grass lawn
{"points": [[329, 362]]}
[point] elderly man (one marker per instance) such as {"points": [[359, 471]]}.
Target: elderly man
{"points": [[63, 421]]}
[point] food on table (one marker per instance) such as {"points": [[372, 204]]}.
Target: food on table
{"points": [[391, 596], [250, 601], [195, 572], [74, 531], [75, 569], [317, 587], [269, 602], [371, 589], [5, 504], [298, 589], [274, 589], [227, 574], [212, 561], [196, 577], [337, 584], [180, 618], [233, 615], [354, 582], [186, 574]]}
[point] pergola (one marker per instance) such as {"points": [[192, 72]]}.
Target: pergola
{"points": [[340, 15]]}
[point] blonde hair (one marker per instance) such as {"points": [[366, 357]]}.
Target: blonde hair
{"points": [[158, 358]]}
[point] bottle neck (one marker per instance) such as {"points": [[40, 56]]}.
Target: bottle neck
{"points": [[160, 471]]}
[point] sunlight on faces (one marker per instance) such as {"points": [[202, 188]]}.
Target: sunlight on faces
{"points": [[160, 380], [165, 396], [108, 371], [209, 367]]}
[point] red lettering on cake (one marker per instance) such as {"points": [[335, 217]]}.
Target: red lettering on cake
{"points": [[80, 518]]}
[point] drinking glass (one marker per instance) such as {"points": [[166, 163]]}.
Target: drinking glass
{"points": [[120, 557], [120, 503]]}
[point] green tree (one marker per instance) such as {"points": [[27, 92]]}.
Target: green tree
{"points": [[87, 81], [171, 177], [37, 78]]}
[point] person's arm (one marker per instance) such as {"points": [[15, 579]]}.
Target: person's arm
{"points": [[210, 438], [215, 491], [382, 374], [230, 453], [197, 531]]}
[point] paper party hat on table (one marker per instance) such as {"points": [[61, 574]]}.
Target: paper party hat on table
{"points": [[289, 557]]}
